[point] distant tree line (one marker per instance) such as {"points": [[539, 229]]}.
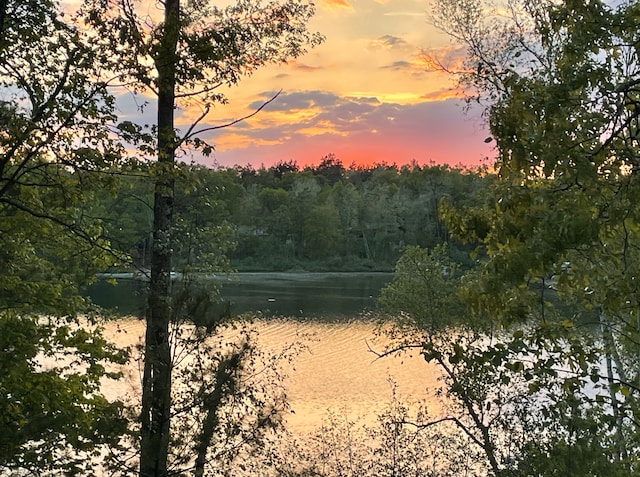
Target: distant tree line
{"points": [[323, 217]]}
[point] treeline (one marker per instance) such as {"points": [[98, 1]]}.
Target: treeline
{"points": [[324, 217]]}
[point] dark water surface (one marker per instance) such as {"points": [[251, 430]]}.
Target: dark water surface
{"points": [[304, 295]]}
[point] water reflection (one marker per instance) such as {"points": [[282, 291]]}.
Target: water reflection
{"points": [[304, 295], [336, 372]]}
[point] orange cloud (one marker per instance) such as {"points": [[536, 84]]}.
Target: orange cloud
{"points": [[233, 141], [272, 118], [302, 67], [385, 97], [443, 94], [336, 4], [322, 127]]}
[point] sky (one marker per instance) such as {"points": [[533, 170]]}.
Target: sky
{"points": [[365, 96]]}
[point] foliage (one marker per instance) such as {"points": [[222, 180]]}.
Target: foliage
{"points": [[422, 286], [228, 397], [214, 47], [402, 442], [54, 138], [51, 111], [53, 417], [293, 220], [182, 59], [560, 80], [237, 403], [54, 146], [46, 259], [519, 394]]}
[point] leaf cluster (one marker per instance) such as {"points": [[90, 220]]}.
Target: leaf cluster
{"points": [[557, 235], [51, 410]]}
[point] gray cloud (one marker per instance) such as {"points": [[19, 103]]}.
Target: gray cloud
{"points": [[298, 100], [398, 65], [391, 41]]}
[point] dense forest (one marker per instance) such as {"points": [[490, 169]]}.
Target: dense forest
{"points": [[322, 217]]}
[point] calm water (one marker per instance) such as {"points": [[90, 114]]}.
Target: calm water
{"points": [[337, 372], [302, 295]]}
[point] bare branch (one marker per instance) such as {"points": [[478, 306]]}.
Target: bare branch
{"points": [[391, 351], [191, 133]]}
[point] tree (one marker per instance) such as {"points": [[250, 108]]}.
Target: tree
{"points": [[54, 149], [52, 413], [396, 445], [183, 59], [378, 217], [49, 101], [321, 231], [330, 169], [345, 197], [561, 84], [304, 194], [514, 394], [125, 211]]}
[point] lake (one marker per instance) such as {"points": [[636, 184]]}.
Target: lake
{"points": [[337, 372], [302, 295]]}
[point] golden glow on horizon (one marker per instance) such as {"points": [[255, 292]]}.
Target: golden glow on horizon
{"points": [[443, 95], [369, 92], [398, 98]]}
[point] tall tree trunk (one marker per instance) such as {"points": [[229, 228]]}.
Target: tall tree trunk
{"points": [[156, 384]]}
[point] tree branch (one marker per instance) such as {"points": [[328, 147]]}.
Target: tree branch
{"points": [[191, 133]]}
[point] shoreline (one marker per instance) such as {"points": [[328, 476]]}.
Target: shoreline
{"points": [[248, 276]]}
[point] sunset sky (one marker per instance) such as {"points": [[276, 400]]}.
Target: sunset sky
{"points": [[364, 95]]}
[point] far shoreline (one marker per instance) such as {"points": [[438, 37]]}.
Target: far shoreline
{"points": [[248, 276]]}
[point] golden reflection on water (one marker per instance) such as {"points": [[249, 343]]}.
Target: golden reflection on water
{"points": [[336, 372]]}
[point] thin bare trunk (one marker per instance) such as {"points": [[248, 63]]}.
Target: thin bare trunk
{"points": [[367, 250], [485, 442], [224, 385]]}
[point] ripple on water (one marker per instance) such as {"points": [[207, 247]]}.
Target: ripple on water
{"points": [[336, 372]]}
